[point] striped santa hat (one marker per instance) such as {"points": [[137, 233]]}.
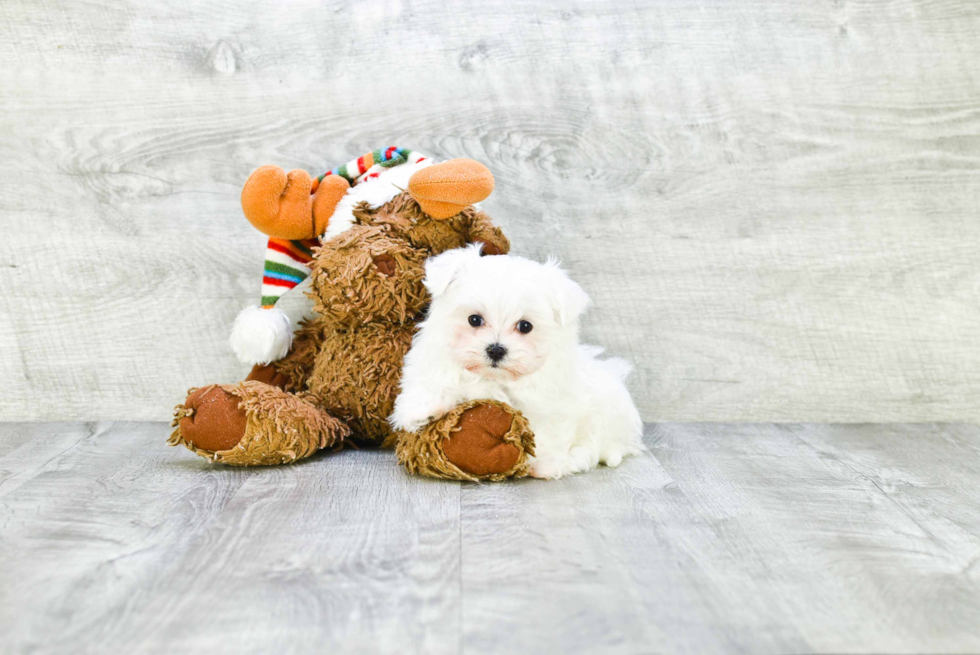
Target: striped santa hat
{"points": [[264, 334]]}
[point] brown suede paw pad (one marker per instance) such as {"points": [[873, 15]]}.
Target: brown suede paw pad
{"points": [[477, 446], [212, 419], [478, 440]]}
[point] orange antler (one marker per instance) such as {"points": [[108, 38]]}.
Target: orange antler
{"points": [[282, 205], [443, 190]]}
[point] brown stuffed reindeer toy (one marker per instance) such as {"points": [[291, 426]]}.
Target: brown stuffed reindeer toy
{"points": [[362, 233]]}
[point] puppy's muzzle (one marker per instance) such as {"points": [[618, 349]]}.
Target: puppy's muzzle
{"points": [[496, 352]]}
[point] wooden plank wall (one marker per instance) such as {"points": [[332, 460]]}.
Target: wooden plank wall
{"points": [[773, 203]]}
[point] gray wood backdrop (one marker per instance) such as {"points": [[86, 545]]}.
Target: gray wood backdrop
{"points": [[773, 203]]}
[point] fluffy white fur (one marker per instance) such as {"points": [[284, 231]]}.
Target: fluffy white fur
{"points": [[375, 192], [260, 336], [577, 404]]}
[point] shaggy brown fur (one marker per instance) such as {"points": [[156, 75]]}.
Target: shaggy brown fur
{"points": [[403, 217], [356, 376], [340, 378], [297, 365], [349, 289]]}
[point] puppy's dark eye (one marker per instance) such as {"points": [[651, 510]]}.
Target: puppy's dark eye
{"points": [[476, 320], [524, 327]]}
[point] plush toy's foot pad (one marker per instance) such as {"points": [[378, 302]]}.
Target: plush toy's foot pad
{"points": [[478, 440], [253, 423], [477, 446], [211, 419]]}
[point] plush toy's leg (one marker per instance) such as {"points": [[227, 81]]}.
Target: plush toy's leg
{"points": [[253, 423], [478, 440], [291, 372]]}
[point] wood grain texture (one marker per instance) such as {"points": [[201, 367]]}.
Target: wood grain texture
{"points": [[773, 203], [721, 538], [120, 545]]}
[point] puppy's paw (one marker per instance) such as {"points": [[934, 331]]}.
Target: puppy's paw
{"points": [[409, 420], [612, 458], [577, 460], [414, 417], [545, 468]]}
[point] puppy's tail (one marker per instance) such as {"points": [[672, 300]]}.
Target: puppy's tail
{"points": [[617, 367], [616, 422]]}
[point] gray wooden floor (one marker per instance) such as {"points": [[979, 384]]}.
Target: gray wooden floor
{"points": [[723, 538]]}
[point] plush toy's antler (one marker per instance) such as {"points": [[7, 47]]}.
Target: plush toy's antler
{"points": [[289, 206], [443, 190]]}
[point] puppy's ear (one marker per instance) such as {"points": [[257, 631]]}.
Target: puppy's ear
{"points": [[568, 299], [441, 270]]}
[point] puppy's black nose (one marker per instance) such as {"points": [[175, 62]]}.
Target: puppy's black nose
{"points": [[496, 352]]}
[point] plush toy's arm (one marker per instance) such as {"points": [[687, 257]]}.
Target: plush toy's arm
{"points": [[483, 230], [291, 372]]}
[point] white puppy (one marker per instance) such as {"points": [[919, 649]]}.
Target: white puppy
{"points": [[506, 328]]}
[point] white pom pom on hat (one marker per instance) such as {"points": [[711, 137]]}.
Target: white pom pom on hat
{"points": [[260, 335], [264, 334]]}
